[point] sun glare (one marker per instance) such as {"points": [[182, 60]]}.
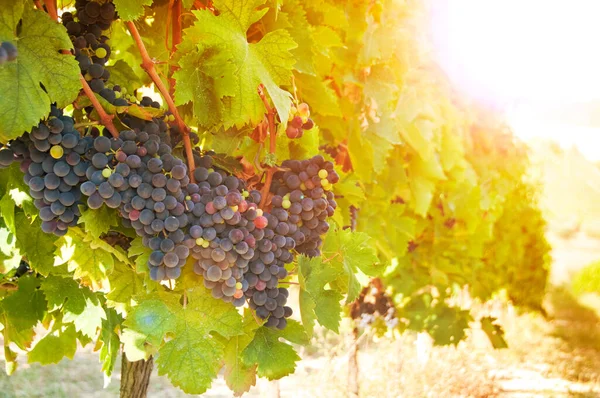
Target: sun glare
{"points": [[507, 50], [521, 55]]}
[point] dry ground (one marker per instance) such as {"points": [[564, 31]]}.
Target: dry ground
{"points": [[557, 356]]}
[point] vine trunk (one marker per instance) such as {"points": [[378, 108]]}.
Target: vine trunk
{"points": [[135, 377], [353, 387]]}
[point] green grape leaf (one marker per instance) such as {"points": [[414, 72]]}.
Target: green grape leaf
{"points": [[351, 253], [317, 302], [64, 293], [125, 285], [191, 358], [292, 17], [53, 347], [122, 74], [84, 258], [79, 305], [238, 376], [319, 95], [360, 151], [35, 244], [494, 332], [274, 358], [130, 10], [10, 359], [196, 85], [191, 361], [135, 347], [22, 310], [90, 319], [142, 254], [188, 3], [39, 42], [110, 341], [13, 190], [99, 221], [447, 325], [223, 38], [7, 210]]}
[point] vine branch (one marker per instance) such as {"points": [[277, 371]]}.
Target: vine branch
{"points": [[148, 66], [272, 144], [105, 118], [51, 9]]}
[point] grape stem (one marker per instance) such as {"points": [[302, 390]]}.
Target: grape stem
{"points": [[51, 9], [148, 66], [85, 124], [272, 144], [105, 118]]}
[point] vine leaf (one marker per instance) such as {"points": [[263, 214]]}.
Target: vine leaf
{"points": [[317, 302], [142, 254], [239, 66], [494, 332], [110, 341], [287, 16], [125, 285], [53, 347], [88, 261], [238, 376], [447, 325], [7, 210], [122, 74], [22, 310], [34, 243], [274, 358], [10, 359], [40, 63], [191, 358], [196, 84], [98, 222], [79, 304], [130, 10], [352, 254]]}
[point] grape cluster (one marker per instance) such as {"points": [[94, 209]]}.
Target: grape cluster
{"points": [[237, 251], [304, 191], [299, 121], [374, 302], [240, 250], [137, 174], [8, 52], [53, 158], [91, 45], [267, 268]]}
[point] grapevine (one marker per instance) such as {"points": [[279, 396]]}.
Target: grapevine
{"points": [[172, 233]]}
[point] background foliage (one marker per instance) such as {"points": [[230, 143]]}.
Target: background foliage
{"points": [[435, 189]]}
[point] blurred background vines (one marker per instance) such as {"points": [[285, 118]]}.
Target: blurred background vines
{"points": [[209, 185]]}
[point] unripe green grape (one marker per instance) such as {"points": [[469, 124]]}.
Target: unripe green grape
{"points": [[101, 52], [56, 151]]}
